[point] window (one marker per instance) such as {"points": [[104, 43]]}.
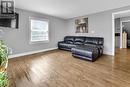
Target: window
{"points": [[39, 30]]}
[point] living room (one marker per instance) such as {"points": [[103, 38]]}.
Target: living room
{"points": [[60, 43]]}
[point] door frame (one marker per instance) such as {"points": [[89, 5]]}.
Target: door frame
{"points": [[113, 28]]}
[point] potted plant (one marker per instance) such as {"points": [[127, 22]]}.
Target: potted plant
{"points": [[3, 79], [3, 64]]}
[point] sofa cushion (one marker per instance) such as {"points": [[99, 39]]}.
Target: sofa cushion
{"points": [[65, 45], [69, 39], [100, 41], [91, 40], [85, 50], [79, 40], [100, 48]]}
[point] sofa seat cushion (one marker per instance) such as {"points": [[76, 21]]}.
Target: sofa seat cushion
{"points": [[100, 48], [86, 51], [66, 45]]}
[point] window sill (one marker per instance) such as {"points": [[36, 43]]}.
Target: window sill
{"points": [[38, 42]]}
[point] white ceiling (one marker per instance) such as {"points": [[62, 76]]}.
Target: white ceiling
{"points": [[70, 8]]}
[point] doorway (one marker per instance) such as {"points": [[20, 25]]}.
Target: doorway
{"points": [[121, 30]]}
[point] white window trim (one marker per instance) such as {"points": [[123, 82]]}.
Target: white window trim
{"points": [[42, 19]]}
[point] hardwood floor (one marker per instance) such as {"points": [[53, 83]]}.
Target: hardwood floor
{"points": [[59, 69]]}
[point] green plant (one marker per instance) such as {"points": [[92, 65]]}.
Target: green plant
{"points": [[3, 64], [3, 53], [3, 79]]}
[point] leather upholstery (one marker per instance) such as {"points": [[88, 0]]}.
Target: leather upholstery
{"points": [[66, 46], [100, 41], [84, 47], [91, 40], [94, 40], [69, 40], [79, 40], [86, 51]]}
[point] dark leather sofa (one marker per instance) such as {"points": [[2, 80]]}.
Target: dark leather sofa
{"points": [[89, 48]]}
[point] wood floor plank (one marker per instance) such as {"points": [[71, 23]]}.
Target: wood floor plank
{"points": [[59, 69]]}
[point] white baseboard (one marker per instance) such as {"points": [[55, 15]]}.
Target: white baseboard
{"points": [[38, 51], [31, 52], [108, 53]]}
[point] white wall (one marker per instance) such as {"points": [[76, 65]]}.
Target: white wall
{"points": [[18, 39], [101, 24]]}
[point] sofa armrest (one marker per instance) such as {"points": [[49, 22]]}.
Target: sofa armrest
{"points": [[101, 48], [61, 42]]}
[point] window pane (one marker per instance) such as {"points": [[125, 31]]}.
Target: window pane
{"points": [[39, 36], [39, 25], [39, 30]]}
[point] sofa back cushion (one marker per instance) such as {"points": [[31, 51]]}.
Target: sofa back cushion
{"points": [[100, 41], [91, 40], [69, 39], [79, 40]]}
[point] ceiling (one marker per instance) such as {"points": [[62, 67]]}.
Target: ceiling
{"points": [[70, 8]]}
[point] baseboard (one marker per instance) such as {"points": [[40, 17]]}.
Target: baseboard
{"points": [[108, 53], [31, 52], [38, 51]]}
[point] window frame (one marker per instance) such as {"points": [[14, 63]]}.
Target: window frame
{"points": [[40, 19]]}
